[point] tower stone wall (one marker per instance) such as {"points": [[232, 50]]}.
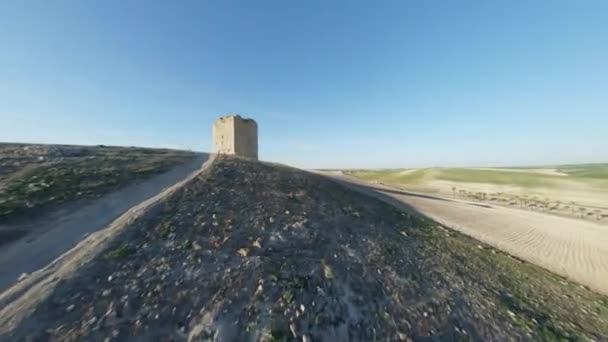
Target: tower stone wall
{"points": [[235, 135]]}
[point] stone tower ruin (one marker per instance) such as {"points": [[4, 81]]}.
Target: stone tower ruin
{"points": [[235, 135]]}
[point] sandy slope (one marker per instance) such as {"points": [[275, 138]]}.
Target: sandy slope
{"points": [[572, 248], [56, 232]]}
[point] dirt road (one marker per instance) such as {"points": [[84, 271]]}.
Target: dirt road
{"points": [[58, 231], [575, 249]]}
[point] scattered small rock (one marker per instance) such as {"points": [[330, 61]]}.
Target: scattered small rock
{"points": [[292, 328], [259, 290]]}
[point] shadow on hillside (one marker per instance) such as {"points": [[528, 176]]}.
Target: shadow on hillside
{"points": [[405, 193], [377, 192]]}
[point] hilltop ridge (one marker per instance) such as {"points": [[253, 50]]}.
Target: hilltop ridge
{"points": [[244, 250]]}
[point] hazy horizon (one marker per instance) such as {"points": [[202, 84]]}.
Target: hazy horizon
{"points": [[341, 85]]}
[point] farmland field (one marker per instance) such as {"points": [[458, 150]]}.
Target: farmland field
{"points": [[568, 190]]}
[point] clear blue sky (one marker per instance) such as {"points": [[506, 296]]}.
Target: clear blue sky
{"points": [[331, 83]]}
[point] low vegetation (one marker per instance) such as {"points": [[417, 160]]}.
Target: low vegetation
{"points": [[521, 179], [119, 253], [597, 171], [401, 176], [537, 300], [515, 178], [34, 177], [526, 188], [535, 203]]}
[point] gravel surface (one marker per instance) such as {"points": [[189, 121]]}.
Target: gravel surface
{"points": [[248, 251]]}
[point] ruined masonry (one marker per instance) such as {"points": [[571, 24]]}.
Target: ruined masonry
{"points": [[235, 135]]}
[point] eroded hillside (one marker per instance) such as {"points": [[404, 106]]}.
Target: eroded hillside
{"points": [[254, 251]]}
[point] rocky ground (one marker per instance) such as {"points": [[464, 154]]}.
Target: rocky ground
{"points": [[38, 178], [253, 251]]}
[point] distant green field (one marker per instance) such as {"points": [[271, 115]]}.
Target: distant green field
{"points": [[390, 176], [598, 171], [523, 179], [596, 174]]}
